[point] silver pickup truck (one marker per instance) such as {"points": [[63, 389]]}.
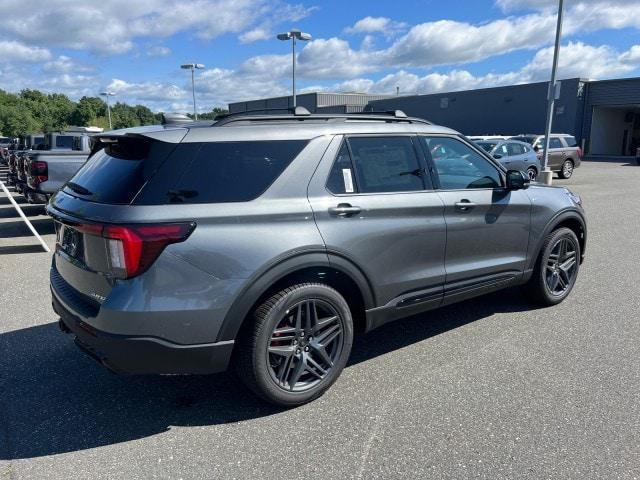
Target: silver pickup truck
{"points": [[49, 169]]}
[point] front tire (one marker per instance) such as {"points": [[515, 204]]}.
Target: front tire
{"points": [[567, 169], [557, 268], [297, 344]]}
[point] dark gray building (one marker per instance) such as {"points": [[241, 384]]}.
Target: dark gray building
{"points": [[316, 102], [604, 116]]}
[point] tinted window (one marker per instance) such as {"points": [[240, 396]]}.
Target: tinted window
{"points": [[515, 149], [232, 171], [116, 173], [486, 146], [571, 141], [65, 141], [459, 166], [386, 164], [555, 142], [341, 178], [502, 150]]}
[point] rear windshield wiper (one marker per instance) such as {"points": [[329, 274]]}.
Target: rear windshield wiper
{"points": [[79, 188]]}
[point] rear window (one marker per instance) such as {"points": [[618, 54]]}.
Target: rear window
{"points": [[116, 173], [64, 141], [571, 141], [221, 172]]}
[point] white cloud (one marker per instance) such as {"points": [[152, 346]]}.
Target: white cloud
{"points": [[11, 51], [259, 33], [576, 60], [111, 26], [383, 25], [158, 51], [64, 64]]}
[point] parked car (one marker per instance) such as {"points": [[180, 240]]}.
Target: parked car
{"points": [[49, 169], [564, 153], [513, 155], [265, 241]]}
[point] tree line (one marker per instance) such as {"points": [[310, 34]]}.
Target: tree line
{"points": [[32, 111]]}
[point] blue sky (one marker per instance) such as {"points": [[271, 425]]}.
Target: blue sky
{"points": [[134, 48]]}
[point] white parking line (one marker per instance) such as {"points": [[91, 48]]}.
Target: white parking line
{"points": [[24, 217]]}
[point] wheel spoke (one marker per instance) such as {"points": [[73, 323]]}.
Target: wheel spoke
{"points": [[298, 370], [324, 322], [283, 372], [322, 353], [283, 351], [329, 334], [315, 369], [553, 283]]}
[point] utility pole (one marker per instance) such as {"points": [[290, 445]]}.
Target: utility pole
{"points": [[546, 176]]}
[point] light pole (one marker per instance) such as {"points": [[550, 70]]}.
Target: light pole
{"points": [[546, 174], [193, 67], [293, 35], [108, 94]]}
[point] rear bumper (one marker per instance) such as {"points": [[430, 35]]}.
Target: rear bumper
{"points": [[139, 354]]}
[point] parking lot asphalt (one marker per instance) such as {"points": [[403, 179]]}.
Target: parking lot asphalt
{"points": [[490, 388]]}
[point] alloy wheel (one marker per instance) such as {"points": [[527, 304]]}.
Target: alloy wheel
{"points": [[567, 169], [304, 345], [561, 267]]}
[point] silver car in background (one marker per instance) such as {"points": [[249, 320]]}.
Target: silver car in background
{"points": [[513, 155]]}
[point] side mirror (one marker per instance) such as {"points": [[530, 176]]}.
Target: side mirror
{"points": [[517, 180], [497, 156], [536, 148]]}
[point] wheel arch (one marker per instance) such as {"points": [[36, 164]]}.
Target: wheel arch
{"points": [[571, 219], [335, 271]]}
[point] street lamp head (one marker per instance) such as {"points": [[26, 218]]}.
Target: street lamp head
{"points": [[294, 33], [107, 94], [188, 66], [199, 65]]}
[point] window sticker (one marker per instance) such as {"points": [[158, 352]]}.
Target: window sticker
{"points": [[348, 180]]}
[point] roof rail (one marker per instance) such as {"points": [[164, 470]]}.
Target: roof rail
{"points": [[301, 113]]}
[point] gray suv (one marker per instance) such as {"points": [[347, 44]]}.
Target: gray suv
{"points": [[265, 241], [564, 153]]}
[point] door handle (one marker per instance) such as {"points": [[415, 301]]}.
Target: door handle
{"points": [[344, 210], [464, 205]]}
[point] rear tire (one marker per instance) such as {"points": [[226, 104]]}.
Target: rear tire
{"points": [[567, 169], [296, 345], [556, 269], [532, 173]]}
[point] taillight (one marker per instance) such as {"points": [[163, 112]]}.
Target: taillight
{"points": [[39, 170], [132, 249]]}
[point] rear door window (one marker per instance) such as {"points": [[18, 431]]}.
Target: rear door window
{"points": [[515, 149], [386, 164], [554, 142]]}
